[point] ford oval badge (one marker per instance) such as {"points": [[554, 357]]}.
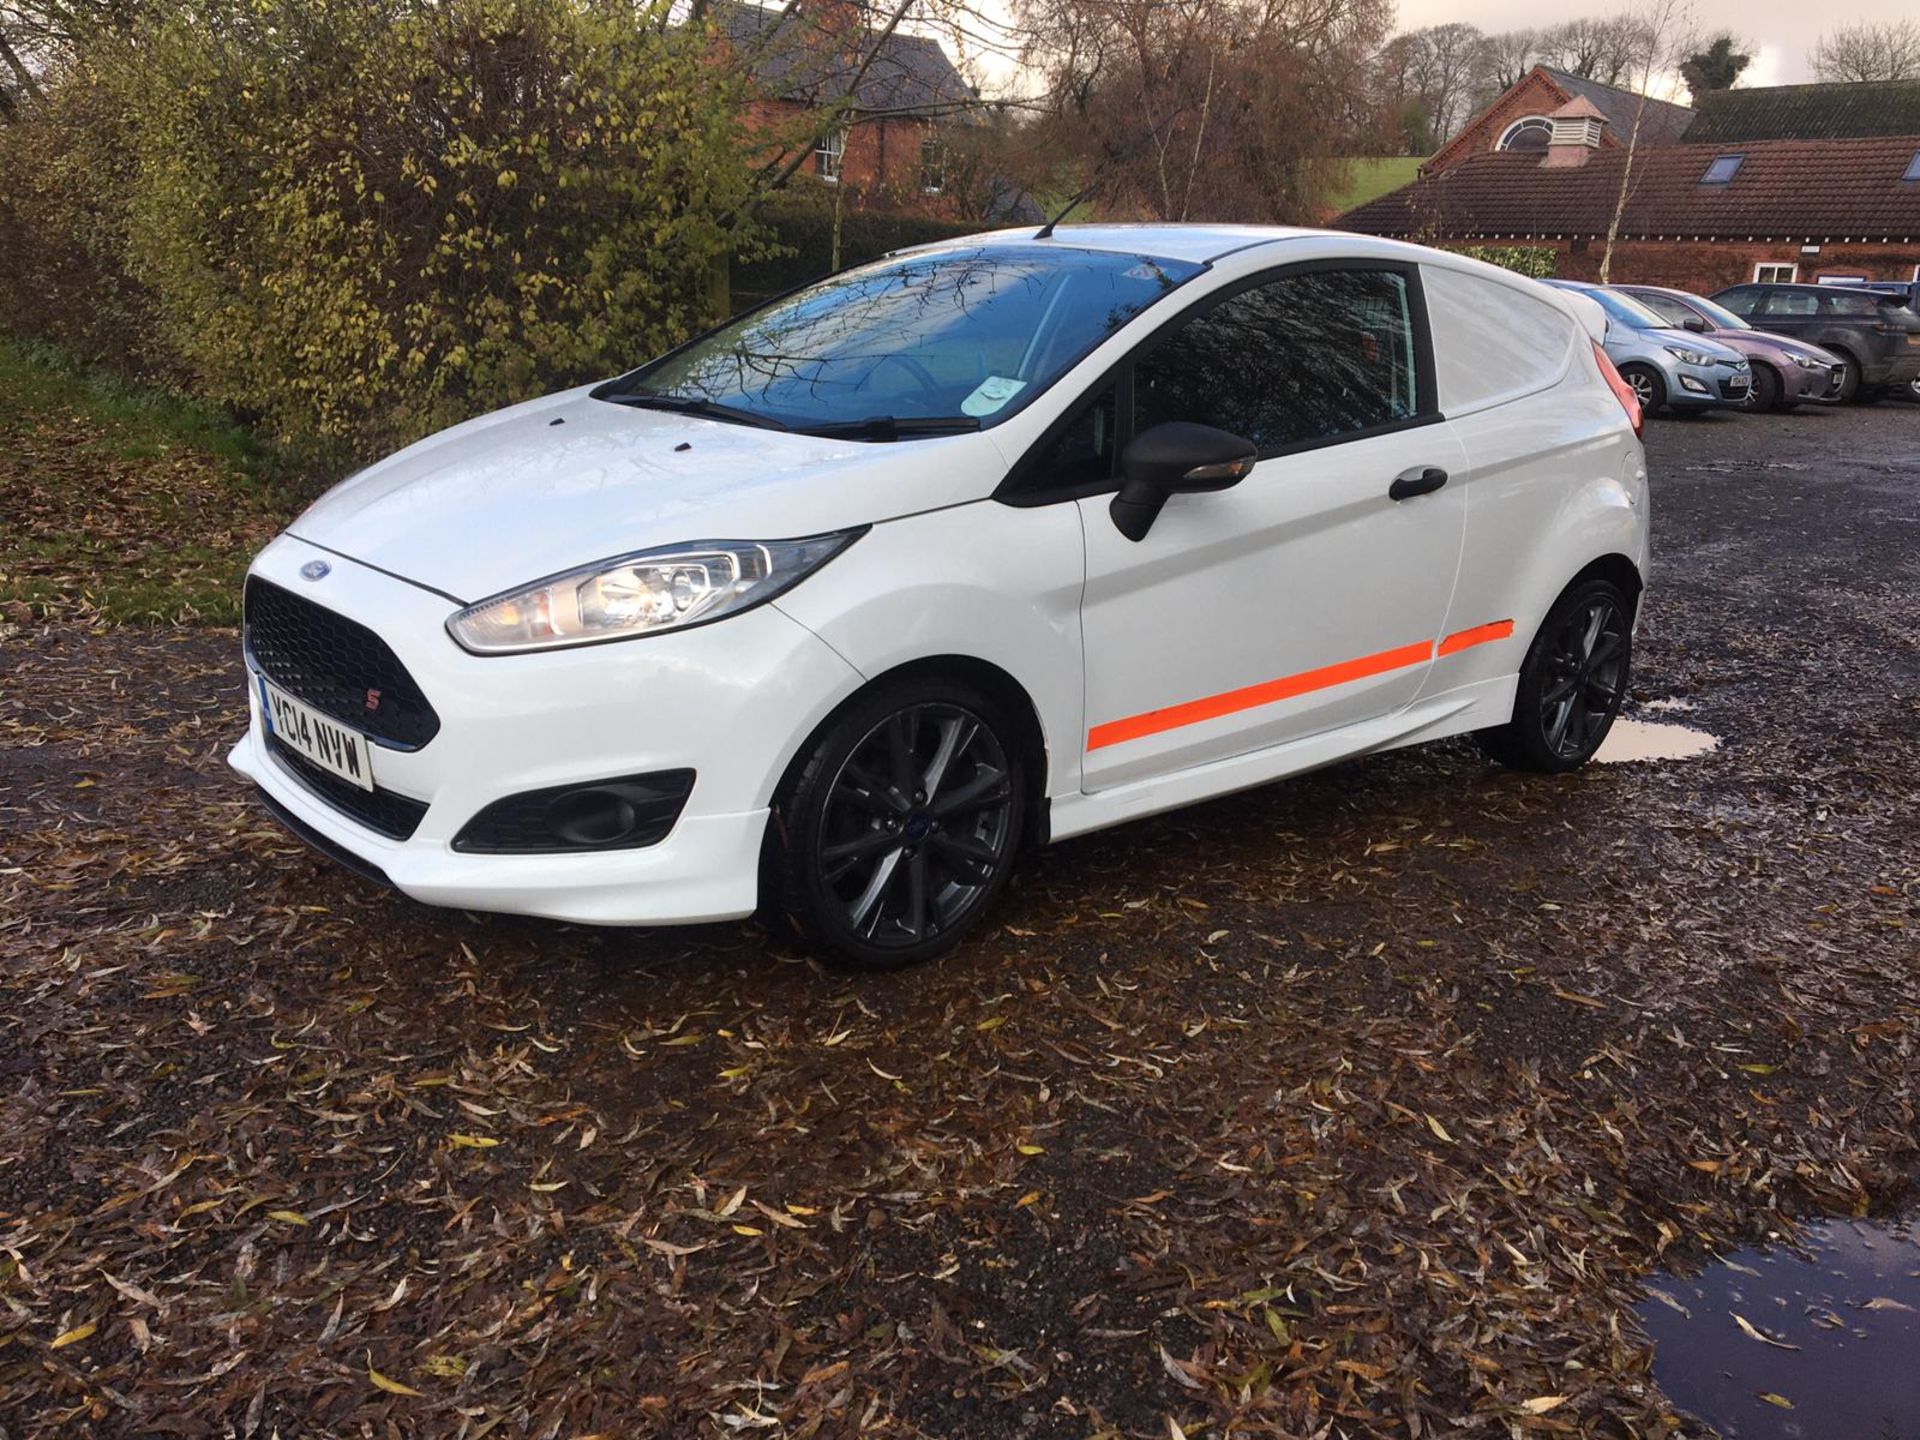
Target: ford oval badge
{"points": [[315, 570]]}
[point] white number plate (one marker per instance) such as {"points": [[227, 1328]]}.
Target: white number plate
{"points": [[333, 747]]}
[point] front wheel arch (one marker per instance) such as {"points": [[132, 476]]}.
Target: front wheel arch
{"points": [[999, 686]]}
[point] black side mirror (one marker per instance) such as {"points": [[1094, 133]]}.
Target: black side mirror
{"points": [[1174, 459], [1695, 324]]}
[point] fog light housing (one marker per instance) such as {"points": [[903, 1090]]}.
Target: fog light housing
{"points": [[1687, 382], [626, 813]]}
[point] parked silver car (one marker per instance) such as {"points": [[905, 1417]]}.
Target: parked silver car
{"points": [[1667, 368]]}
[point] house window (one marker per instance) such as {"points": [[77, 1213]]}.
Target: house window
{"points": [[933, 165], [1530, 133], [830, 155], [1776, 274], [1913, 169], [1723, 169]]}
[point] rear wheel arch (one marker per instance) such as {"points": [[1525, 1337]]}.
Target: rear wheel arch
{"points": [[1616, 568]]}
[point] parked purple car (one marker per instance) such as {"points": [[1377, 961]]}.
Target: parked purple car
{"points": [[1786, 372]]}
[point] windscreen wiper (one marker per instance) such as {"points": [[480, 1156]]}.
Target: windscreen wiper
{"points": [[893, 427], [691, 405]]}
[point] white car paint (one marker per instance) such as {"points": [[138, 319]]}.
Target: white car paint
{"points": [[1302, 568]]}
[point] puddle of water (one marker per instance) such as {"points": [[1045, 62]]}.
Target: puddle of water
{"points": [[1631, 740], [1840, 1357]]}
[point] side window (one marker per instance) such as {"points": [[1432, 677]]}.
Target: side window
{"points": [[1741, 302], [1790, 302], [1667, 308], [1857, 304], [1083, 452], [1299, 359]]}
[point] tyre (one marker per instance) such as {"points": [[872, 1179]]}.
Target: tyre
{"points": [[1849, 378], [1765, 394], [1571, 684], [898, 826], [1648, 387]]}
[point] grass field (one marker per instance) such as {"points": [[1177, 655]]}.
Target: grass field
{"points": [[1371, 176]]}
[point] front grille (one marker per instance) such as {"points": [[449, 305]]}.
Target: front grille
{"points": [[337, 666], [394, 816]]}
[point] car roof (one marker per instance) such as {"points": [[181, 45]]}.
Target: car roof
{"points": [[1197, 244]]}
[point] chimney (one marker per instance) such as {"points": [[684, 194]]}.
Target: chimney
{"points": [[1577, 126]]}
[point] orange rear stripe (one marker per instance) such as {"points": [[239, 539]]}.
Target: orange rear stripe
{"points": [[1478, 635], [1267, 692]]}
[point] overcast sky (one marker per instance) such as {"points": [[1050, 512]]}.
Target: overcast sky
{"points": [[1782, 31]]}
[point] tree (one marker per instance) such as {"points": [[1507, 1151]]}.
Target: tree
{"points": [[1869, 52], [1227, 109], [1716, 67], [1427, 79], [1662, 35], [1607, 50], [1505, 59]]}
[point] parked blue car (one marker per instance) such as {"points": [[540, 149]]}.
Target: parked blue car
{"points": [[1668, 368]]}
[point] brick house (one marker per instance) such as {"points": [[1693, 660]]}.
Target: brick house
{"points": [[1520, 118], [1799, 182], [890, 149]]}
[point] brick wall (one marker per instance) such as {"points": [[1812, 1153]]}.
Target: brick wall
{"points": [[1534, 95], [881, 165], [1706, 267]]}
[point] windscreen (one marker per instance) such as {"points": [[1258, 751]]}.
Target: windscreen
{"points": [[1718, 315], [967, 335]]}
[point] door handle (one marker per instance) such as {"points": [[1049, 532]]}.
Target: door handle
{"points": [[1421, 480]]}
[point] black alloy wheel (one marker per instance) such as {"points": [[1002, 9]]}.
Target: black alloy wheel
{"points": [[1572, 683], [1764, 391], [901, 826]]}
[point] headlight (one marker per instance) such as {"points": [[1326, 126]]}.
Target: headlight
{"points": [[1807, 362], [642, 594], [1688, 357]]}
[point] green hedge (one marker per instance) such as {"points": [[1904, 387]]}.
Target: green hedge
{"points": [[803, 234], [358, 221], [1537, 261]]}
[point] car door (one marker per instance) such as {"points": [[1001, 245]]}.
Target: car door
{"points": [[1304, 598]]}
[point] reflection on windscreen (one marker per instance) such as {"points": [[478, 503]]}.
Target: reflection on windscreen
{"points": [[968, 335]]}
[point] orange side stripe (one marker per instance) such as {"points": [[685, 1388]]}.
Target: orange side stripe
{"points": [[1478, 635], [1192, 712]]}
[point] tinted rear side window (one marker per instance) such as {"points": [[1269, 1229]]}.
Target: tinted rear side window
{"points": [[1852, 303], [1741, 302], [1300, 359]]}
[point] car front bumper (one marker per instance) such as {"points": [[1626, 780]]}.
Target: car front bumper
{"points": [[730, 702], [1700, 387]]}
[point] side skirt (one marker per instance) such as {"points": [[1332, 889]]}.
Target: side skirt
{"points": [[1454, 712]]}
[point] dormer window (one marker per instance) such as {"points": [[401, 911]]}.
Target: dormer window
{"points": [[1722, 170], [1913, 167]]}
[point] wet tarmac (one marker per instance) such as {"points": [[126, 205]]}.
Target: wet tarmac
{"points": [[1779, 1344]]}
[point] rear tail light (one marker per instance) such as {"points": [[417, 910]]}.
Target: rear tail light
{"points": [[1622, 391]]}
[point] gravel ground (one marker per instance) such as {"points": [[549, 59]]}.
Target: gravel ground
{"points": [[1358, 1105]]}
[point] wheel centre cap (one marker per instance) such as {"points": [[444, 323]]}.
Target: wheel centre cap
{"points": [[918, 824]]}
